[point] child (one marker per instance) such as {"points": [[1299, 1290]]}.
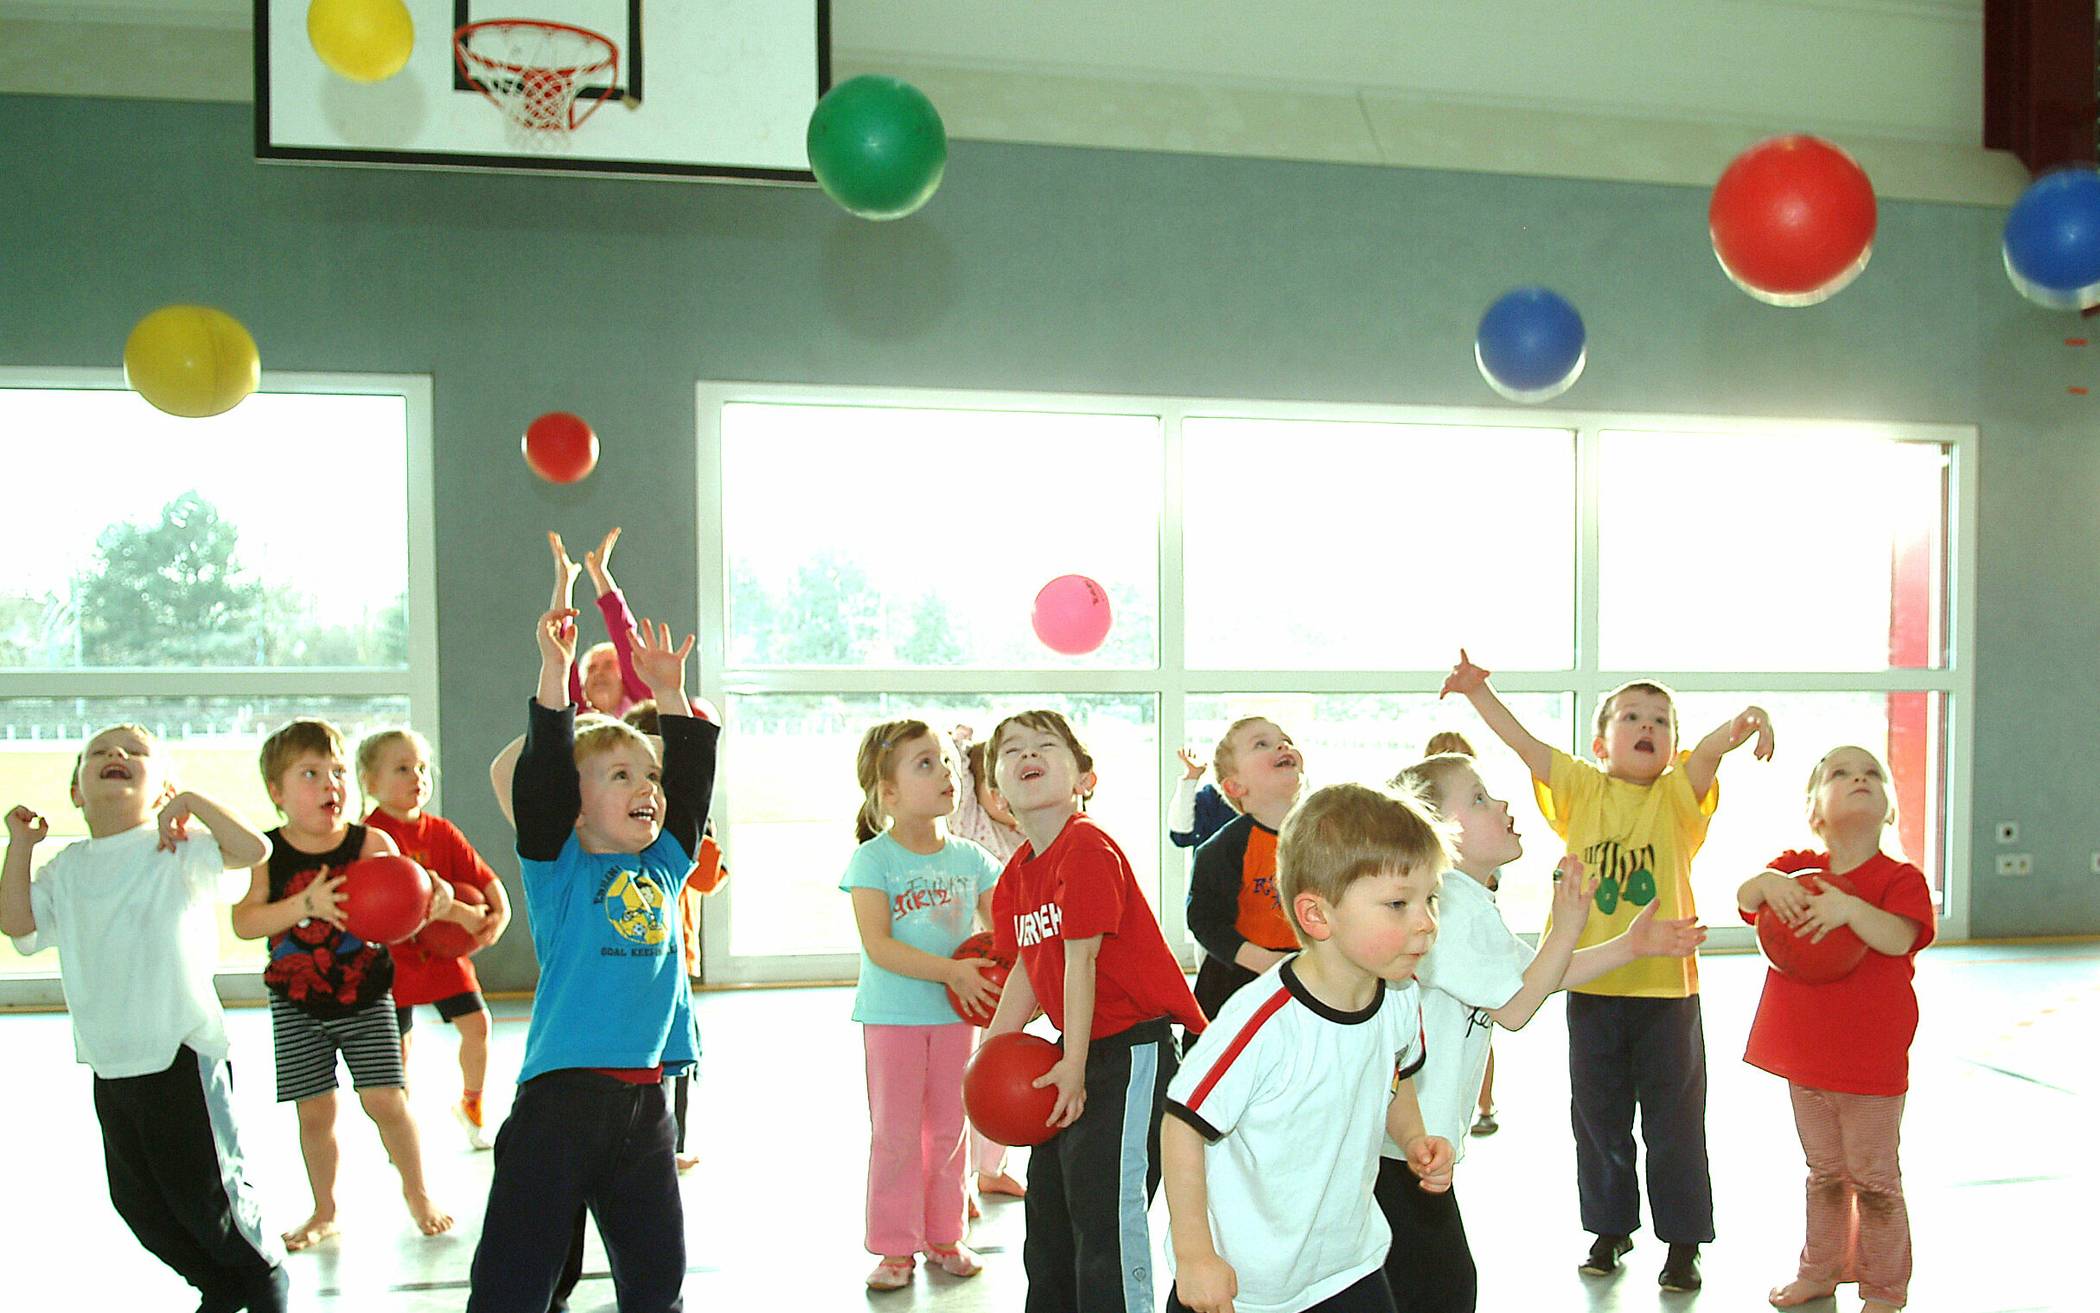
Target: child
{"points": [[1278, 1114], [1233, 909], [329, 988], [1844, 1047], [1480, 976], [131, 909], [605, 680], [393, 769], [1195, 813], [1069, 907], [1484, 1120], [605, 836], [983, 817], [916, 895], [1634, 1034]]}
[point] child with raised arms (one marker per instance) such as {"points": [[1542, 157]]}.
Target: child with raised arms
{"points": [[917, 894], [1843, 1047], [1090, 951], [133, 910]]}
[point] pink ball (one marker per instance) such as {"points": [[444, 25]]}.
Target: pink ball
{"points": [[1071, 614]]}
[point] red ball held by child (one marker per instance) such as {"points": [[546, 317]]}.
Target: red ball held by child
{"points": [[999, 1091], [982, 945], [450, 938], [560, 447], [1795, 956], [385, 899]]}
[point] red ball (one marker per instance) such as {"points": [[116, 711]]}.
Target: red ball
{"points": [[1811, 963], [998, 1091], [385, 898], [1792, 220], [560, 447], [450, 938], [982, 945]]}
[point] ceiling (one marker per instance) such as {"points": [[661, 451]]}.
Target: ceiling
{"points": [[1660, 90]]}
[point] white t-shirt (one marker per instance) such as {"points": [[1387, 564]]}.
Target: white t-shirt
{"points": [[1291, 1098], [1477, 966], [137, 934]]}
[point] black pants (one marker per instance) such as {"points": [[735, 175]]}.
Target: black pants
{"points": [[1366, 1296], [1648, 1053], [572, 1266], [578, 1139], [1430, 1266], [1089, 1248], [168, 1142]]}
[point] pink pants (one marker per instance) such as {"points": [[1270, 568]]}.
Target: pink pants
{"points": [[1858, 1226], [915, 1124], [987, 1155]]}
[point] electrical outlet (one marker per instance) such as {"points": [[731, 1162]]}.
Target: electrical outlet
{"points": [[2096, 863], [2008, 832], [2015, 864]]}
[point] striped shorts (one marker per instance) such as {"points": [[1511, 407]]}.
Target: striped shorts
{"points": [[369, 1038]]}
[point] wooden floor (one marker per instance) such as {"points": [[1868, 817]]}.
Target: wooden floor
{"points": [[1999, 1152]]}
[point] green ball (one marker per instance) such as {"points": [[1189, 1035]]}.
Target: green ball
{"points": [[877, 146]]}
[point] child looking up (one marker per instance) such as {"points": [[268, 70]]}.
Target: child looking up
{"points": [[1843, 1047], [132, 910], [1234, 911], [1635, 1035], [1069, 906], [1276, 1118]]}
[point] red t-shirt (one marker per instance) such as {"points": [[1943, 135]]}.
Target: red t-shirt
{"points": [[436, 844], [1852, 1035], [1080, 887]]}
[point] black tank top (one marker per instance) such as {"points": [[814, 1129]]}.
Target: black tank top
{"points": [[314, 966]]}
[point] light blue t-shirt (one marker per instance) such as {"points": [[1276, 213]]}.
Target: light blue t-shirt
{"points": [[933, 905]]}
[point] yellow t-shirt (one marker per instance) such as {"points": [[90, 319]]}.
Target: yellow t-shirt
{"points": [[1640, 839]]}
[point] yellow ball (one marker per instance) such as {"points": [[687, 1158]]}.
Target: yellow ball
{"points": [[191, 360], [364, 40]]}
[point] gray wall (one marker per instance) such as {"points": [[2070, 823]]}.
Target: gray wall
{"points": [[1058, 270]]}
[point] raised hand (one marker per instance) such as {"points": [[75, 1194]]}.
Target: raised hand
{"points": [[1465, 677], [961, 736], [1752, 720], [564, 572], [556, 634], [26, 827], [1572, 894], [599, 562], [1191, 763], [661, 666]]}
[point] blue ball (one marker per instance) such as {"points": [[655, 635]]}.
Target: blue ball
{"points": [[2052, 240], [1531, 345]]}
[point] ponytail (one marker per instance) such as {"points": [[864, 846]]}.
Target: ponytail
{"points": [[872, 764]]}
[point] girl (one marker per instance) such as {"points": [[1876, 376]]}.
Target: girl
{"points": [[393, 769], [1484, 1123], [604, 679], [1844, 1047], [915, 895]]}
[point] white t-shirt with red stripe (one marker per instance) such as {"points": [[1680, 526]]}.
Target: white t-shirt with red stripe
{"points": [[1290, 1096]]}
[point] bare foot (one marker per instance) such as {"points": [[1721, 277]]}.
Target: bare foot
{"points": [[311, 1232], [1800, 1291], [1001, 1184], [687, 1162], [430, 1219]]}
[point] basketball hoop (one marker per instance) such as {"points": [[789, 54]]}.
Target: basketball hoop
{"points": [[530, 69]]}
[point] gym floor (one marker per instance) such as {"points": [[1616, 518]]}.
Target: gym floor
{"points": [[1999, 1153]]}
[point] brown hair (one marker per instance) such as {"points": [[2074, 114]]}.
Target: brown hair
{"points": [[1346, 832], [294, 741], [1445, 742], [643, 716], [1430, 778], [872, 764], [369, 748], [1225, 760], [1636, 686], [979, 756], [1043, 722]]}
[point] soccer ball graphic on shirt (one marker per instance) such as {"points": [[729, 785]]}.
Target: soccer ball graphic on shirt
{"points": [[634, 904]]}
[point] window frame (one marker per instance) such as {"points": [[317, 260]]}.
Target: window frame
{"points": [[417, 681], [1171, 682]]}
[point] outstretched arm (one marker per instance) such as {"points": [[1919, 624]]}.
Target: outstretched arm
{"points": [[25, 830], [562, 600], [619, 621], [689, 743], [1705, 759], [1471, 681]]}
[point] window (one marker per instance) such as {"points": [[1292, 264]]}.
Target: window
{"points": [[174, 573]]}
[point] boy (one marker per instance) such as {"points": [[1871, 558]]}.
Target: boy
{"points": [[1234, 912], [329, 989], [1278, 1116], [131, 909], [1634, 1034], [1069, 907], [605, 837]]}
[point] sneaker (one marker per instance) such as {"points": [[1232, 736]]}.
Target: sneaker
{"points": [[1605, 1255], [1485, 1123], [1680, 1270], [892, 1273], [955, 1260], [469, 1117]]}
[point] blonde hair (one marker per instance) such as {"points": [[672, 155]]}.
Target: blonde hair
{"points": [[1430, 778], [1636, 686], [872, 763], [294, 741], [1815, 782], [1225, 760], [597, 732], [369, 748], [1042, 721], [1445, 742], [1347, 832], [167, 772]]}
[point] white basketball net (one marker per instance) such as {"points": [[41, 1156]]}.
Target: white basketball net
{"points": [[532, 70]]}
